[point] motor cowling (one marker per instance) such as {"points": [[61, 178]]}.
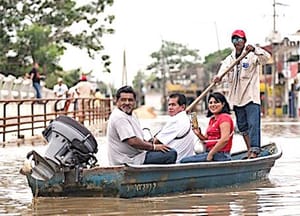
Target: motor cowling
{"points": [[70, 146], [70, 143]]}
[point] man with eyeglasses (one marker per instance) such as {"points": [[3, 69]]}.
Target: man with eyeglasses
{"points": [[244, 93], [125, 136]]}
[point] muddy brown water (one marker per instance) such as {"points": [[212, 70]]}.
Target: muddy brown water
{"points": [[280, 195]]}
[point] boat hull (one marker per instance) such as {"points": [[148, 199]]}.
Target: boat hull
{"points": [[130, 181]]}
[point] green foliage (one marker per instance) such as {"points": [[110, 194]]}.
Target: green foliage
{"points": [[40, 30], [138, 80], [139, 84], [174, 56], [70, 78], [33, 41], [213, 61], [178, 56]]}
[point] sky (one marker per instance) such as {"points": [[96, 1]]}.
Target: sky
{"points": [[205, 25]]}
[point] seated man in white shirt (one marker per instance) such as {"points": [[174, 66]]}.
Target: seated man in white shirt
{"points": [[177, 132], [125, 136]]}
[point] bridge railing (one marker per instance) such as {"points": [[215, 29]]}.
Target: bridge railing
{"points": [[21, 119]]}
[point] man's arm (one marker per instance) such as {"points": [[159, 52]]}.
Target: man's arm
{"points": [[31, 76], [263, 55], [138, 143], [224, 66]]}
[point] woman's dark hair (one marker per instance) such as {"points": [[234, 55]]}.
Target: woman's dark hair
{"points": [[220, 98], [125, 89]]}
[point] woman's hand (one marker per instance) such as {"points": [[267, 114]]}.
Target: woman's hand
{"points": [[197, 131], [210, 156]]}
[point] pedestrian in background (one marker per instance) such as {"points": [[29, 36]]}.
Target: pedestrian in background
{"points": [[98, 95], [60, 91], [36, 79], [84, 90]]}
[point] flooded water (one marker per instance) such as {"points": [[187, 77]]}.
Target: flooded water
{"points": [[280, 195]]}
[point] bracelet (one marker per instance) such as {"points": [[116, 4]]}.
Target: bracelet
{"points": [[154, 148]]}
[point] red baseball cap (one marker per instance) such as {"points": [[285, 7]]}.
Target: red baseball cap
{"points": [[83, 77], [240, 33]]}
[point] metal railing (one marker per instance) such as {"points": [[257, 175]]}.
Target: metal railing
{"points": [[29, 117]]}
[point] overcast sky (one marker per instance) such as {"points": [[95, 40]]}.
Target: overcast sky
{"points": [[205, 25]]}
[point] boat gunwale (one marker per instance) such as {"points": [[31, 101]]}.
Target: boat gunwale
{"points": [[195, 165]]}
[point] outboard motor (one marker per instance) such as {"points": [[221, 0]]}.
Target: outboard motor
{"points": [[71, 146]]}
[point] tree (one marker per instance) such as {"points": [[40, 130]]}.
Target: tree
{"points": [[170, 59], [213, 61], [33, 41], [138, 84], [70, 78], [40, 31], [174, 56]]}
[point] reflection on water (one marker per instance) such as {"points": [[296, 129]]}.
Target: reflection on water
{"points": [[287, 129], [239, 202], [280, 195]]}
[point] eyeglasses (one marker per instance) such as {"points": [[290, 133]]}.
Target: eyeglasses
{"points": [[237, 40]]}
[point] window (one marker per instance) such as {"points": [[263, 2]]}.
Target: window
{"points": [[267, 69]]}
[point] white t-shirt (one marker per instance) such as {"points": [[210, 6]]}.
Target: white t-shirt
{"points": [[60, 90], [84, 89], [72, 92], [176, 127], [121, 127]]}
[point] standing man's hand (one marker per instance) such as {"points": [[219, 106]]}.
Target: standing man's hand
{"points": [[216, 79], [250, 48]]}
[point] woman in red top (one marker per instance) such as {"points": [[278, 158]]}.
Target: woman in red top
{"points": [[218, 137]]}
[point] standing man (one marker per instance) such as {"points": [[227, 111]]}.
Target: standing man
{"points": [[60, 91], [244, 93], [177, 132], [84, 91], [35, 77], [125, 136]]}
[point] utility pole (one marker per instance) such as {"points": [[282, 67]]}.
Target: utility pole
{"points": [[274, 68], [275, 40], [217, 35], [164, 70], [274, 16], [124, 72]]}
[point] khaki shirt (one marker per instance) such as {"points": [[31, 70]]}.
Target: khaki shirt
{"points": [[243, 79]]}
